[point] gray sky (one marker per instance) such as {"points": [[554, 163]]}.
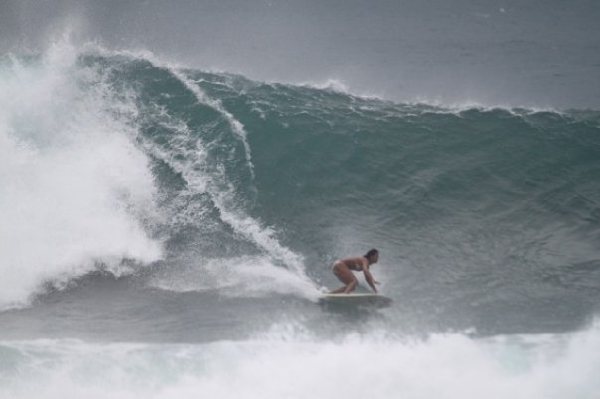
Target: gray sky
{"points": [[513, 53]]}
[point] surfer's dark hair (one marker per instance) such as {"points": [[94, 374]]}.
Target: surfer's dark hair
{"points": [[371, 253]]}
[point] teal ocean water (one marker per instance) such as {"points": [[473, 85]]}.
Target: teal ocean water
{"points": [[166, 233]]}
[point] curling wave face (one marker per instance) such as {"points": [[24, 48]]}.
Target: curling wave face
{"points": [[112, 162]]}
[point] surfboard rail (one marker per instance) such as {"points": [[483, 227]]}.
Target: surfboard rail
{"points": [[357, 299]]}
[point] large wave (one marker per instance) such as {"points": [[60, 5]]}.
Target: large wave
{"points": [[114, 160]]}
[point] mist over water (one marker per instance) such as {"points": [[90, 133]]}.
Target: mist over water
{"points": [[167, 229]]}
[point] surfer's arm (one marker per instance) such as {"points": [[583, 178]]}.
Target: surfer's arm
{"points": [[370, 279]]}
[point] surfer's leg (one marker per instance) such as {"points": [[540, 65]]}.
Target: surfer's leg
{"points": [[350, 287], [338, 291], [346, 276]]}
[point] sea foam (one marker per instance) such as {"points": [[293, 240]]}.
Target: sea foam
{"points": [[74, 184], [287, 362]]}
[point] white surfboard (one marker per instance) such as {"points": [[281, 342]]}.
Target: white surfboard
{"points": [[358, 299]]}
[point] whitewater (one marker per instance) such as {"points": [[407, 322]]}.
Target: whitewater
{"points": [[166, 232]]}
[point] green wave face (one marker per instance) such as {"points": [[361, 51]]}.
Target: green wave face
{"points": [[456, 200]]}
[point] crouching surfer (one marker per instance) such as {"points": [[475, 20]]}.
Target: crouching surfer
{"points": [[343, 268]]}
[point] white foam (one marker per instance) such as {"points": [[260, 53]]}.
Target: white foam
{"points": [[329, 84], [236, 126], [441, 105], [290, 362], [73, 182], [242, 276]]}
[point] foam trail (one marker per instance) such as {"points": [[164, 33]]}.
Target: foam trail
{"points": [[243, 224], [235, 125], [242, 276], [203, 176]]}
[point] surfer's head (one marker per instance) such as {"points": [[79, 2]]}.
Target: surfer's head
{"points": [[372, 256]]}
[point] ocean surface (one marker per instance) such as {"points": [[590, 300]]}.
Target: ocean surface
{"points": [[166, 232]]}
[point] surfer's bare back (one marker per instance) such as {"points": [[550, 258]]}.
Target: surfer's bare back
{"points": [[342, 268]]}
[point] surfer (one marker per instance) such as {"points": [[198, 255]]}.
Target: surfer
{"points": [[342, 268]]}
